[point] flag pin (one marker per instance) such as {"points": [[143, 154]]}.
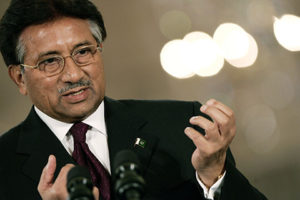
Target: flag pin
{"points": [[140, 142]]}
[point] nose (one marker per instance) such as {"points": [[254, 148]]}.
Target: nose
{"points": [[71, 73]]}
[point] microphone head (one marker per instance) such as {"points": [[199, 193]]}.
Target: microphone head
{"points": [[125, 156], [79, 184], [128, 180]]}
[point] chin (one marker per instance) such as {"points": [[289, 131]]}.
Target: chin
{"points": [[78, 112], [73, 115], [80, 115]]}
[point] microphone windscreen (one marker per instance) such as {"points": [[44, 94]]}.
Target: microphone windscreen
{"points": [[78, 171], [79, 184], [125, 156]]}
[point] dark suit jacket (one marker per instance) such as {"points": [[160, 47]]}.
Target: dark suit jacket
{"points": [[165, 158]]}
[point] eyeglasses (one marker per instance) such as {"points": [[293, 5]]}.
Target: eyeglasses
{"points": [[54, 64]]}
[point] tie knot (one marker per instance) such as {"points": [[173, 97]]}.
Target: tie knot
{"points": [[78, 130]]}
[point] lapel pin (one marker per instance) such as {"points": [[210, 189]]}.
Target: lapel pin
{"points": [[140, 142]]}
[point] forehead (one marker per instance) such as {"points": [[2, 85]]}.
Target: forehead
{"points": [[59, 35]]}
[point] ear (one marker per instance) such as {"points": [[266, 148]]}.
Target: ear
{"points": [[101, 46], [16, 74]]}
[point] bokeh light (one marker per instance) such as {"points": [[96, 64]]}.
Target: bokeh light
{"points": [[277, 90], [287, 31], [174, 24], [258, 15], [197, 54], [203, 54], [196, 35], [172, 58], [260, 128], [233, 40], [248, 59]]}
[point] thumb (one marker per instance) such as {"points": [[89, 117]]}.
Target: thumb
{"points": [[47, 175], [96, 193]]}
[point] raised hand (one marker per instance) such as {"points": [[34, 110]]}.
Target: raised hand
{"points": [[209, 156], [56, 190]]}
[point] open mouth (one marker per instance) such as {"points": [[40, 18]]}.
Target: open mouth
{"points": [[77, 93], [74, 92]]}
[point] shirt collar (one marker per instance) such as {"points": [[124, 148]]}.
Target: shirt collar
{"points": [[96, 120], [60, 129]]}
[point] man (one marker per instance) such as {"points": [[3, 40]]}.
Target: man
{"points": [[53, 52]]}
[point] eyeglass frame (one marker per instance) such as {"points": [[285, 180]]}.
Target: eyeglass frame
{"points": [[98, 47]]}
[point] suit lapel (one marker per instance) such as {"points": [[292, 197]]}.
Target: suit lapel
{"points": [[37, 142], [123, 128]]}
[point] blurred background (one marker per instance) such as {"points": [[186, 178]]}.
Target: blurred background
{"points": [[257, 73]]}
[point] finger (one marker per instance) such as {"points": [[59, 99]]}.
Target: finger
{"points": [[217, 115], [226, 125], [47, 175], [201, 122], [60, 184], [62, 176], [96, 193], [228, 111], [211, 128], [197, 138]]}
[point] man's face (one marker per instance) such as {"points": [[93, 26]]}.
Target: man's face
{"points": [[51, 94]]}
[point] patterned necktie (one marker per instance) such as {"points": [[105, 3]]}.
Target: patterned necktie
{"points": [[84, 157]]}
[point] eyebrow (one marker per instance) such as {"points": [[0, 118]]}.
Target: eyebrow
{"points": [[86, 42], [81, 44]]}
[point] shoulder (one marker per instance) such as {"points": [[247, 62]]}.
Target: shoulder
{"points": [[163, 102], [168, 114], [10, 138], [157, 107], [9, 142]]}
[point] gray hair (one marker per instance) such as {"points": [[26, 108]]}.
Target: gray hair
{"points": [[93, 26], [95, 30]]}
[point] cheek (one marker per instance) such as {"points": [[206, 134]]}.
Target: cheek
{"points": [[41, 92], [97, 76]]}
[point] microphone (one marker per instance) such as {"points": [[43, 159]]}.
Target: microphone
{"points": [[79, 184], [128, 181]]}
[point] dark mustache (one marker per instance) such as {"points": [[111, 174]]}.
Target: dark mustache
{"points": [[74, 85]]}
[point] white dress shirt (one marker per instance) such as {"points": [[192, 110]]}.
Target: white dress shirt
{"points": [[96, 138], [214, 189]]}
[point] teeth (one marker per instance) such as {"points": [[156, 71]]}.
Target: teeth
{"points": [[77, 93]]}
